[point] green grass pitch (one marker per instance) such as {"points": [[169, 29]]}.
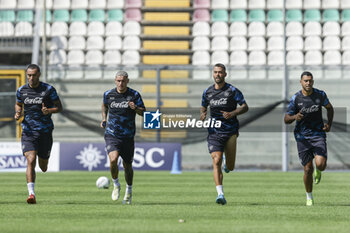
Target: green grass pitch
{"points": [[257, 202]]}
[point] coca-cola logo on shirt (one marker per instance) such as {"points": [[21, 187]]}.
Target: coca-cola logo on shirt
{"points": [[313, 108], [221, 101], [36, 100], [123, 104]]}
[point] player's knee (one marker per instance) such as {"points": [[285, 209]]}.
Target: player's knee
{"points": [[308, 170], [217, 161], [230, 167], [43, 168], [322, 166], [113, 160]]}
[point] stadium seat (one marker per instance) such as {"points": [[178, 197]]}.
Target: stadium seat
{"points": [[238, 4], [132, 28], [274, 29], [115, 15], [294, 15], [131, 57], [294, 43], [332, 57], [275, 58], [96, 29], [59, 42], [25, 16], [294, 29], [219, 43], [25, 4], [312, 43], [256, 16], [238, 16], [97, 4], [330, 15], [238, 29], [93, 58], [330, 4], [114, 28], [219, 57], [238, 43], [131, 43], [200, 43], [331, 43], [79, 15], [115, 4], [79, 4], [7, 4], [113, 43], [58, 57], [345, 44], [95, 42], [201, 74], [41, 29], [200, 58], [201, 4], [112, 57], [311, 4], [219, 15], [133, 3], [295, 58], [331, 29], [40, 4], [256, 43], [201, 15], [256, 29], [346, 58], [97, 15], [7, 16], [274, 4], [275, 15], [75, 57], [219, 4], [201, 29], [61, 4], [133, 15], [48, 16], [345, 29], [219, 29], [23, 29], [294, 4], [257, 58], [345, 4], [77, 29], [312, 15], [312, 29], [275, 43], [238, 58], [61, 16], [256, 4], [313, 57], [345, 15], [76, 42], [6, 29]]}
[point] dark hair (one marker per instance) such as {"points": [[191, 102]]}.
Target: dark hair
{"points": [[222, 66], [33, 67], [307, 73]]}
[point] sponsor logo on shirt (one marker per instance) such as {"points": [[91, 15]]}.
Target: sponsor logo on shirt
{"points": [[220, 101], [36, 100], [313, 108], [123, 104]]}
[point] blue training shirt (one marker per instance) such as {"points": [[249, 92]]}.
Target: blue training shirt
{"points": [[32, 99], [121, 118], [310, 106], [224, 99]]}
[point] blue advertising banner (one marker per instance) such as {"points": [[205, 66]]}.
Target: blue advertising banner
{"points": [[93, 156]]}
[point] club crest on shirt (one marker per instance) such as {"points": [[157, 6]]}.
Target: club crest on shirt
{"points": [[226, 93], [317, 101], [42, 93]]}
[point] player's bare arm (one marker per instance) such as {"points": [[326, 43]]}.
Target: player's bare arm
{"points": [[238, 111], [18, 111], [203, 113], [138, 110], [330, 113], [288, 119], [104, 115], [58, 108]]}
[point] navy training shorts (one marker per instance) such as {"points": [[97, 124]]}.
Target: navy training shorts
{"points": [[308, 148], [37, 141], [217, 142], [125, 147]]}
